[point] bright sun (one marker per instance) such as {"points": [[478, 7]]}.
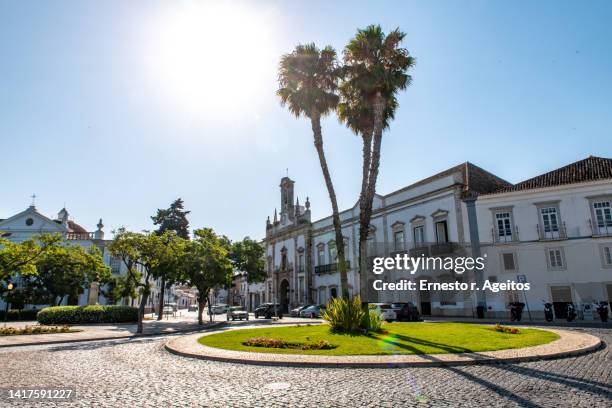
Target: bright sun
{"points": [[212, 58]]}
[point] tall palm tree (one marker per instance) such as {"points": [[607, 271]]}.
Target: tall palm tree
{"points": [[308, 80], [375, 71]]}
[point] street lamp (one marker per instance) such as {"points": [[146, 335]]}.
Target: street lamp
{"points": [[9, 287]]}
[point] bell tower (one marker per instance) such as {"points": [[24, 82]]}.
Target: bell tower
{"points": [[287, 203]]}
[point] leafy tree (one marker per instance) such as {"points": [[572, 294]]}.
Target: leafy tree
{"points": [[207, 265], [174, 219], [20, 258], [141, 254], [169, 266], [119, 287], [65, 271], [248, 257], [308, 79], [375, 70]]}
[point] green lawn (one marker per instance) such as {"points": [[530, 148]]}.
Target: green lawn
{"points": [[403, 338]]}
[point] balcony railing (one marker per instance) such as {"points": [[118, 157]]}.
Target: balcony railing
{"points": [[419, 250], [503, 239], [79, 236], [560, 233], [598, 230], [329, 268]]}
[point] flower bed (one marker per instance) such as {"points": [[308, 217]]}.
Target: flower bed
{"points": [[14, 331], [282, 344]]}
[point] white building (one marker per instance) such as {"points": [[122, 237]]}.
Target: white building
{"points": [[555, 229], [30, 222]]}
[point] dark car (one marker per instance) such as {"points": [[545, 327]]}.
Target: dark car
{"points": [[268, 310], [406, 312], [296, 312], [313, 311]]}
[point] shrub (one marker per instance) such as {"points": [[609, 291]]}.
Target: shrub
{"points": [[87, 314], [13, 331], [17, 315], [344, 316], [505, 329], [375, 322], [276, 343]]}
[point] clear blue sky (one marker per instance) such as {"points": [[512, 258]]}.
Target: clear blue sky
{"points": [[116, 108]]}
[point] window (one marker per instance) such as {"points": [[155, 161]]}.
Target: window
{"points": [[441, 232], [555, 258], [508, 261], [606, 255], [503, 222], [115, 264], [550, 220], [301, 263], [321, 255], [333, 253], [603, 216], [419, 235], [398, 240]]}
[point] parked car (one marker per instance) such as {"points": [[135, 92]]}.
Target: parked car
{"points": [[406, 312], [268, 310], [220, 308], [237, 312], [384, 310], [296, 312], [312, 311]]}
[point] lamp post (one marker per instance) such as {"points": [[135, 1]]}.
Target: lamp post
{"points": [[9, 287]]}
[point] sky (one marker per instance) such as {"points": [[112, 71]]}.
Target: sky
{"points": [[116, 108]]}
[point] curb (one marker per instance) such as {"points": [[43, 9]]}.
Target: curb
{"points": [[594, 345], [130, 337]]}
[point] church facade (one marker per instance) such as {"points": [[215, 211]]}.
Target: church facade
{"points": [[31, 222]]}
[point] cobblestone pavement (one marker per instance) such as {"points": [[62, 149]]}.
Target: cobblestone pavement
{"points": [[141, 373]]}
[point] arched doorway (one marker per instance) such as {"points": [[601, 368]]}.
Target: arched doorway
{"points": [[284, 296]]}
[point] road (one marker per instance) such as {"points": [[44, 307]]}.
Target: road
{"points": [[141, 373]]}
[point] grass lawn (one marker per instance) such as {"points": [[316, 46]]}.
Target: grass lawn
{"points": [[402, 338]]}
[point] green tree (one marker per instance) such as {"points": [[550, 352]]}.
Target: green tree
{"points": [[248, 257], [141, 254], [308, 80], [117, 288], [375, 70], [169, 268], [20, 258], [174, 219], [65, 271], [206, 265]]}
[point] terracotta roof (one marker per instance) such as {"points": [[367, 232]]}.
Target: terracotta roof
{"points": [[481, 181], [590, 169], [74, 227]]}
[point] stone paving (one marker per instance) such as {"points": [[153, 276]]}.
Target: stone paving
{"points": [[139, 372]]}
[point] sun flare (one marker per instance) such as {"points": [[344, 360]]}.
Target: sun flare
{"points": [[212, 57]]}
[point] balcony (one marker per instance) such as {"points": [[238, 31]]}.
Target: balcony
{"points": [[559, 234], [79, 236], [443, 248], [505, 239], [601, 229], [421, 250], [329, 268]]}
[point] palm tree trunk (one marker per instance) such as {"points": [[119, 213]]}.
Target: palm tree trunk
{"points": [[160, 312], [318, 142], [366, 207], [363, 224]]}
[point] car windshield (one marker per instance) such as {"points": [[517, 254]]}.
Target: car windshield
{"points": [[396, 305], [236, 309], [385, 307]]}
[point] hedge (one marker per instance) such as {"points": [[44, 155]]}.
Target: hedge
{"points": [[87, 314], [16, 315]]}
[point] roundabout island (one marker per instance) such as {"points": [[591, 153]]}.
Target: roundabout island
{"points": [[399, 345]]}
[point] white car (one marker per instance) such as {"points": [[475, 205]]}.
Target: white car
{"points": [[384, 310]]}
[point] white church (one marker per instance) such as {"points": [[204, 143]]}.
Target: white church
{"points": [[30, 222]]}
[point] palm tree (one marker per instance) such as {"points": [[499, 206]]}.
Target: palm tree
{"points": [[308, 79], [375, 71]]}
